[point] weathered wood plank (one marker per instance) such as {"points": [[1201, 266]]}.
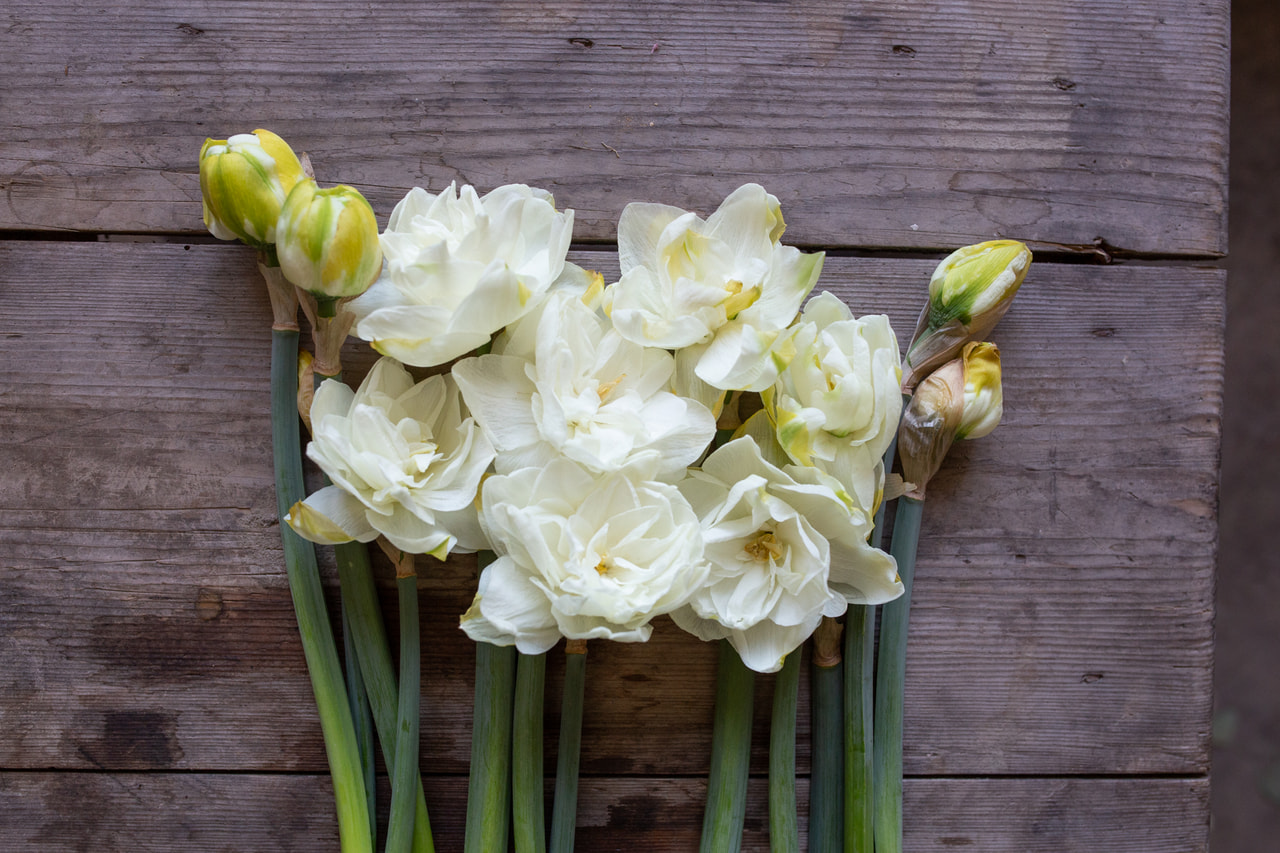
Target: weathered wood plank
{"points": [[926, 124], [244, 813], [1062, 621]]}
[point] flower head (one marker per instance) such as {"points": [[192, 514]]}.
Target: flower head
{"points": [[784, 549], [244, 181], [723, 285], [968, 294], [563, 382], [327, 241], [582, 557], [837, 404], [459, 268], [404, 460]]}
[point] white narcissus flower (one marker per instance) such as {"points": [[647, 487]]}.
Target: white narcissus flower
{"points": [[582, 557], [404, 460], [784, 549], [724, 286], [564, 382], [459, 268], [837, 405]]}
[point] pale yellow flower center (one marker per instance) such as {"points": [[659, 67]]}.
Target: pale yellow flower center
{"points": [[739, 299], [764, 547]]}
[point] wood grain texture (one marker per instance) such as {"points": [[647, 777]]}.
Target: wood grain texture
{"points": [[245, 813], [885, 124], [1062, 620]]}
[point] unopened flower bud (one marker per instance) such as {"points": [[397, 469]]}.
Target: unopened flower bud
{"points": [[969, 292], [244, 181], [983, 391], [327, 241], [961, 399]]}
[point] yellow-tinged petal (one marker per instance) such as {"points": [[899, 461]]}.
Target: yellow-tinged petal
{"points": [[315, 526]]}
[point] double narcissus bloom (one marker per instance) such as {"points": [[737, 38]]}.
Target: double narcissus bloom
{"points": [[244, 181], [962, 399], [582, 556], [327, 241], [405, 462], [785, 550], [968, 294], [836, 406], [460, 267], [561, 381], [723, 289]]}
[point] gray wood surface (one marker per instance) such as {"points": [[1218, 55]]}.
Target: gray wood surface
{"points": [[880, 125], [1061, 630], [245, 813]]}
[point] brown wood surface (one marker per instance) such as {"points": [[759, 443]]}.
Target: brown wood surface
{"points": [[154, 690], [879, 124]]}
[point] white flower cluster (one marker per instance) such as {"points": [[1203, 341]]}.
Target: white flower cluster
{"points": [[580, 446]]}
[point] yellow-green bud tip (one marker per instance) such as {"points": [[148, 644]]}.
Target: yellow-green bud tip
{"points": [[327, 241], [974, 279], [244, 181]]}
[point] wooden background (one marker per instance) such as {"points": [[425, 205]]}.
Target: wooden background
{"points": [[152, 693]]}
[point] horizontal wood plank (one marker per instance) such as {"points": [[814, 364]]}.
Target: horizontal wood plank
{"points": [[1062, 620], [244, 813], [924, 125]]}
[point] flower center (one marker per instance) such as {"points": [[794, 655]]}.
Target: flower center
{"points": [[603, 391], [764, 547], [739, 299]]}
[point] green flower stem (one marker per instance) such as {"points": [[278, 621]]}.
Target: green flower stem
{"points": [[890, 670], [405, 781], [308, 601], [489, 789], [859, 643], [826, 775], [784, 827], [730, 755], [526, 755], [360, 595], [358, 702], [564, 812]]}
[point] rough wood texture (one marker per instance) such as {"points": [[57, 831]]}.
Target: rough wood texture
{"points": [[244, 813], [886, 124], [1061, 627]]}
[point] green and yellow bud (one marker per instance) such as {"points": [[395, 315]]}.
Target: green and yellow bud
{"points": [[244, 181], [327, 241], [968, 294], [983, 392], [961, 399]]}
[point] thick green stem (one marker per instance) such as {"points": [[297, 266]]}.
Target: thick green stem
{"points": [[784, 827], [489, 789], [526, 756], [826, 778], [859, 679], [374, 654], [891, 667], [358, 702], [309, 605], [564, 812], [730, 755], [404, 778], [859, 643]]}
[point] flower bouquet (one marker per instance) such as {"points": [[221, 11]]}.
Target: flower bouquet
{"points": [[702, 438]]}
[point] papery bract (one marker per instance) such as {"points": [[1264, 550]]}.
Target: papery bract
{"points": [[837, 404], [724, 285], [784, 549], [582, 556], [405, 462], [564, 382], [459, 268]]}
